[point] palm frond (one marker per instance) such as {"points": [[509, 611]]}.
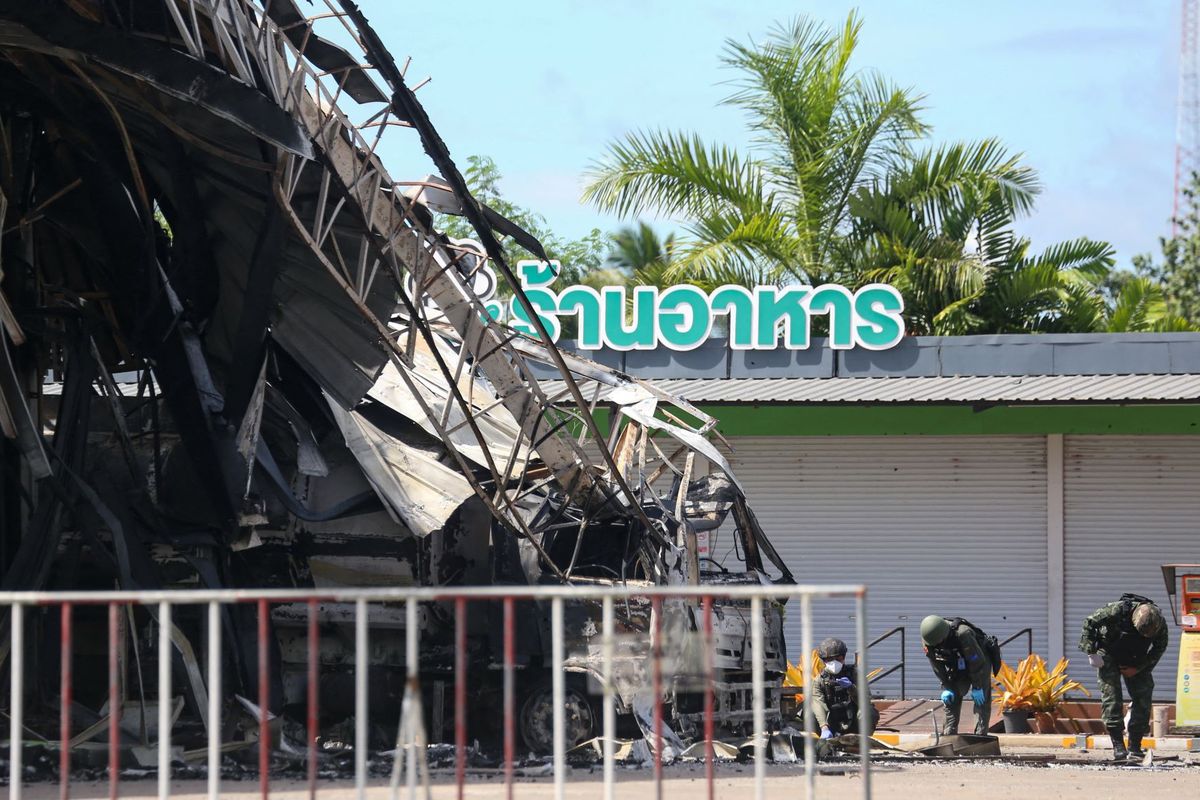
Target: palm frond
{"points": [[1138, 307], [636, 247], [1083, 255], [736, 258], [957, 318], [1173, 323], [674, 174], [1081, 307], [723, 246]]}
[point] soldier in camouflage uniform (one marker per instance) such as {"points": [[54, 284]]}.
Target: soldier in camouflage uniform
{"points": [[835, 694], [963, 665], [1125, 639]]}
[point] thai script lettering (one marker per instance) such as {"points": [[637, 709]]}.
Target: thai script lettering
{"points": [[682, 317]]}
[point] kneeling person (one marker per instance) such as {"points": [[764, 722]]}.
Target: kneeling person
{"points": [[835, 694]]}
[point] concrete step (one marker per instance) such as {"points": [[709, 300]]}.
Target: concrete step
{"points": [[1071, 719], [912, 741], [917, 716]]}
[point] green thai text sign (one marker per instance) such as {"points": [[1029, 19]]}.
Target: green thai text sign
{"points": [[682, 317]]}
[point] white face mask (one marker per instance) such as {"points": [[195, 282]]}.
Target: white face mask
{"points": [[833, 667]]}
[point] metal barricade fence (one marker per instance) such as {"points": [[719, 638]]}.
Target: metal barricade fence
{"points": [[409, 761]]}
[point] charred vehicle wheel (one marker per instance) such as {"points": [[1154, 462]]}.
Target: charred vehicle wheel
{"points": [[535, 720]]}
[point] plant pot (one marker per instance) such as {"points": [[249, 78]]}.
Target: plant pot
{"points": [[1044, 722], [1016, 721]]}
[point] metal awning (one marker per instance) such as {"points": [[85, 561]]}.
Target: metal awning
{"points": [[964, 389]]}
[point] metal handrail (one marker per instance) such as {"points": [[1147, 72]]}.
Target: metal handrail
{"points": [[1027, 632], [895, 667]]}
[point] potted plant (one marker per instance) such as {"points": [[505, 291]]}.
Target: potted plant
{"points": [[1031, 690]]}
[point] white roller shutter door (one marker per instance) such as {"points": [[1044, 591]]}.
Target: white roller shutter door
{"points": [[953, 525], [1131, 503]]}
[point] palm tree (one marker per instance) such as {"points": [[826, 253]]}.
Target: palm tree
{"points": [[641, 256], [1030, 293], [938, 226], [1119, 302], [940, 230], [783, 211], [834, 188]]}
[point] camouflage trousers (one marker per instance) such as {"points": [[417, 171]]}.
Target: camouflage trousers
{"points": [[983, 715], [845, 719], [1141, 692]]}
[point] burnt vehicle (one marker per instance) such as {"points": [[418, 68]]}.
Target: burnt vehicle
{"points": [[237, 353]]}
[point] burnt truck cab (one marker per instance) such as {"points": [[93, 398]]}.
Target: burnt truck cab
{"points": [[473, 549], [622, 553]]}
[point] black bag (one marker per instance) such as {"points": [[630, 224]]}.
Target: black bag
{"points": [[989, 643], [1130, 600]]}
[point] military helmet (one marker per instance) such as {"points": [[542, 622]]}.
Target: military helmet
{"points": [[831, 649], [934, 630], [1148, 620]]}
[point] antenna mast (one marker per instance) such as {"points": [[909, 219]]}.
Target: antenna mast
{"points": [[1187, 121]]}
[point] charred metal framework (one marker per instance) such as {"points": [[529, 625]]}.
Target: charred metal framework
{"points": [[236, 352]]}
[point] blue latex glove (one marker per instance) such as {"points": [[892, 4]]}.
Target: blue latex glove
{"points": [[977, 696], [843, 683], [826, 733], [947, 697]]}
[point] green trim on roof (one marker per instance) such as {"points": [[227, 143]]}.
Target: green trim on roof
{"points": [[961, 420]]}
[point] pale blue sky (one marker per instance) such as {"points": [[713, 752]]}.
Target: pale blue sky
{"points": [[1085, 89]]}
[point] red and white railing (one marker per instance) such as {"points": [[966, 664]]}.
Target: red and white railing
{"points": [[409, 761]]}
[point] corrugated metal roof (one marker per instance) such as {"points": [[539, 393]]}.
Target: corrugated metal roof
{"points": [[961, 389], [965, 389]]}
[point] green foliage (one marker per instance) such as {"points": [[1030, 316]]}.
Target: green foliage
{"points": [[579, 257], [833, 188], [1178, 271], [777, 213], [639, 258], [938, 227]]}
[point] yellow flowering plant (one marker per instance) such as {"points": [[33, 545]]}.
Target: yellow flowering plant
{"points": [[1031, 687]]}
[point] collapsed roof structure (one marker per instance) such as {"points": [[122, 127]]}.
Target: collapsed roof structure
{"points": [[192, 200]]}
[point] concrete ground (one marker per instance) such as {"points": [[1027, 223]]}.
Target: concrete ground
{"points": [[1085, 777]]}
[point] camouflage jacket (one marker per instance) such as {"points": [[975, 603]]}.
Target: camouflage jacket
{"points": [[1109, 629], [828, 694], [961, 655]]}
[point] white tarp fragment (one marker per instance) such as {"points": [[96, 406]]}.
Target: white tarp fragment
{"points": [[497, 424], [415, 487], [642, 411]]}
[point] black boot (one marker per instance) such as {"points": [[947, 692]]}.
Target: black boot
{"points": [[1135, 747], [1118, 742]]}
